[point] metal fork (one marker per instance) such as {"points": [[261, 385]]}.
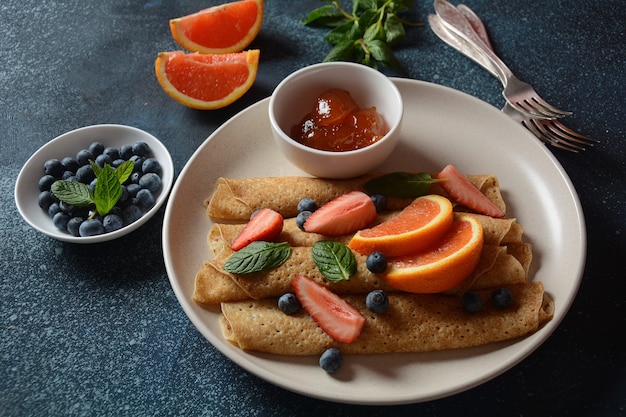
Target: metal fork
{"points": [[517, 93], [552, 132]]}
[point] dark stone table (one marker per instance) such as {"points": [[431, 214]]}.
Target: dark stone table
{"points": [[97, 330]]}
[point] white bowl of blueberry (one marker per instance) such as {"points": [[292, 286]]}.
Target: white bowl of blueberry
{"points": [[94, 184]]}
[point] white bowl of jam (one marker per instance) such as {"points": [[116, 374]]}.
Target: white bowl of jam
{"points": [[336, 119]]}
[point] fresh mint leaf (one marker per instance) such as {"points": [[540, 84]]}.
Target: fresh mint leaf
{"points": [[341, 52], [401, 184], [394, 29], [324, 16], [124, 171], [382, 53], [334, 260], [107, 191], [95, 167], [366, 34], [72, 192], [258, 256]]}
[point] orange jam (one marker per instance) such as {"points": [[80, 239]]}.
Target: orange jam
{"points": [[337, 124]]}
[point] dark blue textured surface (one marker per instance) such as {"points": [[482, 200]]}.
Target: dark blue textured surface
{"points": [[87, 335]]}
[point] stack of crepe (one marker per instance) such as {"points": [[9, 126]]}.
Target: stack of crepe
{"points": [[413, 322]]}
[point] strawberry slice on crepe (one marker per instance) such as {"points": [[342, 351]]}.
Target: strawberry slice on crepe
{"points": [[339, 319], [461, 190], [345, 214], [266, 224]]}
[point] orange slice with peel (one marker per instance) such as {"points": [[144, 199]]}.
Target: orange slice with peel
{"points": [[226, 28], [206, 81], [415, 228], [443, 266]]}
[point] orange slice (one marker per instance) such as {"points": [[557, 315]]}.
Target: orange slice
{"points": [[444, 266], [415, 228], [221, 29], [206, 81]]}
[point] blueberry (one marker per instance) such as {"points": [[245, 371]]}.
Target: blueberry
{"points": [[307, 204], [112, 222], [73, 226], [145, 198], [92, 184], [91, 227], [150, 181], [53, 209], [472, 302], [116, 163], [53, 167], [301, 219], [502, 298], [118, 211], [133, 189], [141, 149], [134, 178], [103, 159], [131, 213], [45, 199], [376, 262], [132, 201], [60, 220], [254, 213], [151, 165], [380, 202], [46, 182], [288, 303], [96, 148], [125, 195], [83, 156], [331, 360], [68, 208], [126, 151], [112, 152], [67, 175], [70, 164], [85, 174], [137, 162], [377, 301]]}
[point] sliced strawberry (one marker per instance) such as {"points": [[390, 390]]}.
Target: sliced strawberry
{"points": [[345, 214], [339, 319], [266, 224], [465, 193]]}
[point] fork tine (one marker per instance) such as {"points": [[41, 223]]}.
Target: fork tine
{"points": [[539, 105], [559, 128], [539, 129]]}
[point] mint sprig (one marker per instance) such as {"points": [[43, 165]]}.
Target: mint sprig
{"points": [[258, 256], [334, 260], [401, 184], [106, 193], [367, 34]]}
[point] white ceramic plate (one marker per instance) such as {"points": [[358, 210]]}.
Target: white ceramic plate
{"points": [[68, 144], [440, 126]]}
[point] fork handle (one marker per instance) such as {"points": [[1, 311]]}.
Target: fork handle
{"points": [[456, 22], [462, 46]]}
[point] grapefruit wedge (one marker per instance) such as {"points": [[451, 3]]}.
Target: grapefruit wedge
{"points": [[415, 228], [226, 28], [206, 81], [443, 266]]}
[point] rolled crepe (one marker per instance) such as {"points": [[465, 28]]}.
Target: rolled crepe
{"points": [[214, 285], [221, 235], [238, 198], [413, 323]]}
